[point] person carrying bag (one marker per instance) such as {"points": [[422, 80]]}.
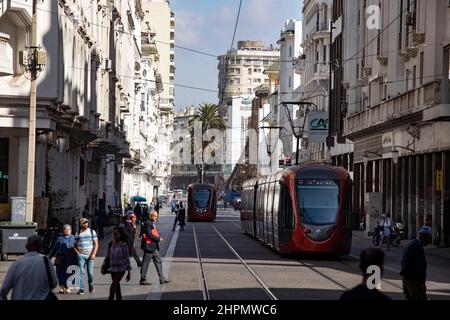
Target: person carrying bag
{"points": [[50, 296]]}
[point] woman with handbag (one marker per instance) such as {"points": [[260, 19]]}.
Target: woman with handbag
{"points": [[64, 255], [116, 262]]}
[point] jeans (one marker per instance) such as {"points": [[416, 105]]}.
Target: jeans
{"points": [[177, 219], [82, 261]]}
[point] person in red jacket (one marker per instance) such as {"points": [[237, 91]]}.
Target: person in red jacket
{"points": [[150, 246]]}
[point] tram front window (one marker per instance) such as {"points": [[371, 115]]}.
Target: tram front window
{"points": [[201, 198], [318, 201]]}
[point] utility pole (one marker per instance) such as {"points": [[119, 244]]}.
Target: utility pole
{"points": [[32, 124], [330, 139]]}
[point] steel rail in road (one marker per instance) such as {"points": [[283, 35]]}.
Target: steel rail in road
{"points": [[250, 269], [202, 276]]}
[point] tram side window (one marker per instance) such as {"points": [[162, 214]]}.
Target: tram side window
{"points": [[287, 219]]}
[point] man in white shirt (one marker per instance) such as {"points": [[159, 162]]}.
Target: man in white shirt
{"points": [[27, 277], [386, 224], [86, 247]]}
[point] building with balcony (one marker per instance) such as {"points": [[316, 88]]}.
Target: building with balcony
{"points": [[81, 94], [315, 66], [241, 70], [162, 20], [398, 110]]}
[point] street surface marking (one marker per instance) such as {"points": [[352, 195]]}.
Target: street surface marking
{"points": [[156, 292]]}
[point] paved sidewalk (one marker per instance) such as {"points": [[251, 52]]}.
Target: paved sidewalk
{"points": [[441, 252]]}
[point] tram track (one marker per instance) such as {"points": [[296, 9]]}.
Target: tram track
{"points": [[202, 276], [314, 269], [261, 282], [202, 265]]}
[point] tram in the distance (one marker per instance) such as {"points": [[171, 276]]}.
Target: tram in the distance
{"points": [[202, 202], [302, 209]]}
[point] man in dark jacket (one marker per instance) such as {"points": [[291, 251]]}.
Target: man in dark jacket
{"points": [[150, 246], [138, 211], [130, 232], [414, 266]]}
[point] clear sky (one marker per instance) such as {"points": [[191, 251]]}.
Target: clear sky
{"points": [[207, 25]]}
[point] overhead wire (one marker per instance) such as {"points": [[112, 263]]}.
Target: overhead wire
{"points": [[229, 52]]}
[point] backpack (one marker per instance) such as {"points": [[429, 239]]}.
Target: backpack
{"points": [[77, 236]]}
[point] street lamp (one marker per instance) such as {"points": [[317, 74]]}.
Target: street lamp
{"points": [[89, 154], [395, 153], [365, 160], [366, 156], [299, 135]]}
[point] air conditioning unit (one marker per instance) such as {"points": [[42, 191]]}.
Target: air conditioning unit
{"points": [[108, 64]]}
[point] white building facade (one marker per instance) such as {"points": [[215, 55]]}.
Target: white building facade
{"points": [[89, 110], [398, 99]]}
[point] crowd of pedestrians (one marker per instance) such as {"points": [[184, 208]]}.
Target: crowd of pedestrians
{"points": [[30, 278]]}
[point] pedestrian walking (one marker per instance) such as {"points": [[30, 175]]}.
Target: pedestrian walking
{"points": [[386, 225], [367, 258], [414, 266], [85, 213], [150, 246], [101, 222], [138, 211], [119, 262], [65, 256], [144, 212], [182, 216], [86, 247], [177, 216], [130, 233], [31, 277]]}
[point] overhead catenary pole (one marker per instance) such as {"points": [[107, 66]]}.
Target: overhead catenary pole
{"points": [[330, 86], [32, 123]]}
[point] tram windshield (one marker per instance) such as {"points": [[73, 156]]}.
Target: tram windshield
{"points": [[201, 198], [318, 201]]}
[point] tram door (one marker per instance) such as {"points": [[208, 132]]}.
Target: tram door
{"points": [[253, 207], [276, 214], [285, 218]]}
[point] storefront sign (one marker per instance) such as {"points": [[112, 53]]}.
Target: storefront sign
{"points": [[439, 180], [317, 127], [387, 140]]}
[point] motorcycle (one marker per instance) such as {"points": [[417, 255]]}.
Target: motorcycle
{"points": [[394, 238], [401, 230]]}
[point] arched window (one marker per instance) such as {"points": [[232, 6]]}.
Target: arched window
{"points": [[290, 51]]}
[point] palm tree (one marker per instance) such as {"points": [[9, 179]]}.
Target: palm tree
{"points": [[207, 114]]}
